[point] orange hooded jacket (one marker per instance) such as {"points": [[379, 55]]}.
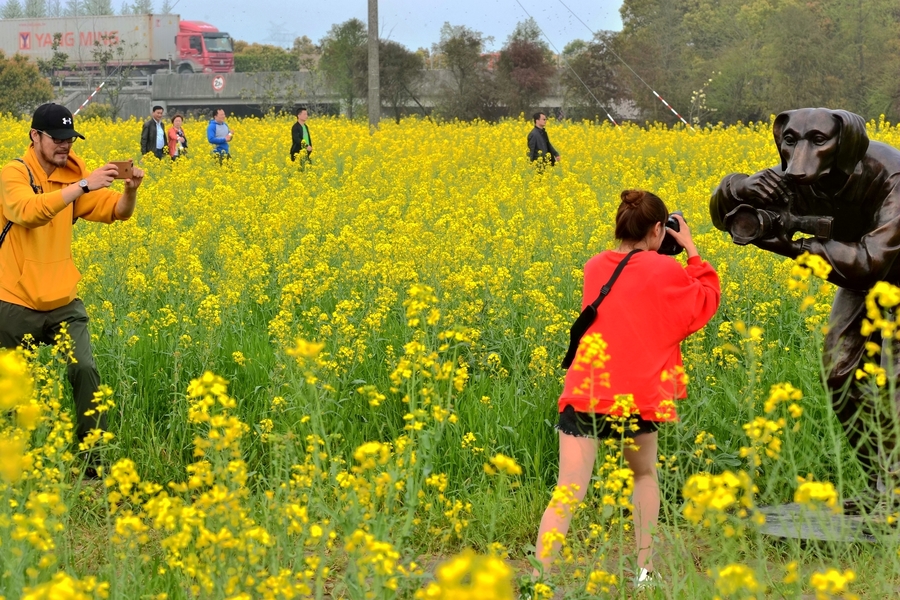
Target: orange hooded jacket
{"points": [[36, 266]]}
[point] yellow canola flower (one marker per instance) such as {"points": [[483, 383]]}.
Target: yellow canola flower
{"points": [[813, 493], [818, 265], [736, 581], [469, 576], [305, 350], [13, 460], [503, 464], [600, 581], [833, 584], [16, 384], [65, 587], [781, 393], [711, 497]]}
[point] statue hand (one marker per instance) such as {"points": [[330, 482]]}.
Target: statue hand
{"points": [[762, 189], [779, 244]]}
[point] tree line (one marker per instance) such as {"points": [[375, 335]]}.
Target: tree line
{"points": [[724, 61], [474, 83], [33, 9]]}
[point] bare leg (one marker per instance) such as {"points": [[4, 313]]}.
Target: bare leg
{"points": [[576, 464], [646, 495]]}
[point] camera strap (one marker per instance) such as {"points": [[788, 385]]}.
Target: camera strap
{"points": [[589, 314], [37, 190], [604, 291]]}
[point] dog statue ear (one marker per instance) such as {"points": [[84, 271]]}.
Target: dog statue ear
{"points": [[853, 141], [778, 129]]}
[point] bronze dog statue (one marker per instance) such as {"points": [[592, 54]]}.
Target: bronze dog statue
{"points": [[835, 184]]}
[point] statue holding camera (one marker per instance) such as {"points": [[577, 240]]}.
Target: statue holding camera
{"points": [[843, 191]]}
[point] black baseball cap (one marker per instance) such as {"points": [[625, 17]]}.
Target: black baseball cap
{"points": [[55, 120]]}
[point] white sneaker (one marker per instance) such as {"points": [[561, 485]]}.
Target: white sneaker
{"points": [[646, 579]]}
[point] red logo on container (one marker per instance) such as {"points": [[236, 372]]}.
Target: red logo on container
{"points": [[24, 41]]}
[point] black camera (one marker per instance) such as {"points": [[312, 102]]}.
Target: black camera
{"points": [[747, 224], [669, 246]]}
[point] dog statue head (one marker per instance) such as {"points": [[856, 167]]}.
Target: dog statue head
{"points": [[814, 142]]}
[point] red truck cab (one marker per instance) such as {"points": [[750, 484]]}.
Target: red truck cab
{"points": [[203, 49]]}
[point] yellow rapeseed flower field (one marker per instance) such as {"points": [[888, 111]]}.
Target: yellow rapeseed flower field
{"points": [[339, 379]]}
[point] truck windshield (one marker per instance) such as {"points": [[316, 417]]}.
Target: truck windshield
{"points": [[218, 43]]}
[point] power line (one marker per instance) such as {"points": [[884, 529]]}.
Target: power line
{"points": [[622, 60], [609, 116]]}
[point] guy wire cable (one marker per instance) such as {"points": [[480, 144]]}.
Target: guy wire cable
{"points": [[96, 90], [558, 53], [613, 52]]}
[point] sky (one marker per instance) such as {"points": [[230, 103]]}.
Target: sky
{"points": [[413, 23]]}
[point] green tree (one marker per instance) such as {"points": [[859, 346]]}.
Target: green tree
{"points": [[138, 7], [35, 8], [400, 71], [24, 88], [341, 48], [306, 53], [804, 46], [97, 7], [12, 10], [250, 58], [869, 53], [56, 63], [589, 72], [656, 43], [470, 91], [115, 64], [730, 39]]}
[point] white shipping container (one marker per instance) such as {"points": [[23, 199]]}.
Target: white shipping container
{"points": [[145, 39]]}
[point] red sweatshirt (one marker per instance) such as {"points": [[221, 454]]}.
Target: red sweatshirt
{"points": [[653, 305]]}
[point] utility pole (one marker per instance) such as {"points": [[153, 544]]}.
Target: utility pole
{"points": [[374, 75]]}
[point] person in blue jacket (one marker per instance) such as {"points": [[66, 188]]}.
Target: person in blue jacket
{"points": [[219, 134]]}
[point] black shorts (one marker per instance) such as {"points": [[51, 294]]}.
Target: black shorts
{"points": [[598, 426]]}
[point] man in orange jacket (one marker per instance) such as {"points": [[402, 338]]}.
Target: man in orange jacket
{"points": [[41, 196]]}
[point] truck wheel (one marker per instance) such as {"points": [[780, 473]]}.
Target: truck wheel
{"points": [[185, 69]]}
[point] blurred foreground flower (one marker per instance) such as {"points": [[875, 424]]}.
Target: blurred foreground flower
{"points": [[502, 464], [736, 581], [832, 584], [816, 493], [16, 384], [468, 576]]}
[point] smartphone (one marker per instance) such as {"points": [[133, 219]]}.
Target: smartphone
{"points": [[124, 167]]}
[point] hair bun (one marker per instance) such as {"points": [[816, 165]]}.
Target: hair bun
{"points": [[632, 197]]}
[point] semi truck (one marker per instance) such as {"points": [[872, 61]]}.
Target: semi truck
{"points": [[149, 42]]}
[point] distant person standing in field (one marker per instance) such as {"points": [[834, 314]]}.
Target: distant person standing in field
{"points": [[539, 146], [153, 136], [41, 196], [219, 134], [300, 138], [176, 138]]}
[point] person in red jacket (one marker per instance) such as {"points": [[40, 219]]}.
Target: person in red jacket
{"points": [[655, 304]]}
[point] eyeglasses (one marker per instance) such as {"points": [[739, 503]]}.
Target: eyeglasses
{"points": [[58, 141]]}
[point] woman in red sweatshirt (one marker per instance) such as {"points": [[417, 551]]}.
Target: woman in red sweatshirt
{"points": [[628, 363]]}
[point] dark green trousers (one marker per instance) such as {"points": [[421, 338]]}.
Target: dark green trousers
{"points": [[16, 321]]}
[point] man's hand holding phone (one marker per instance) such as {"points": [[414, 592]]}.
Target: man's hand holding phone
{"points": [[102, 177]]}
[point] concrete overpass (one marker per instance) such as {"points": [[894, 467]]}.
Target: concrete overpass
{"points": [[263, 91], [257, 93]]}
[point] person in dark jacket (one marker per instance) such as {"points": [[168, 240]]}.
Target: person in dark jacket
{"points": [[153, 135], [539, 146], [300, 137]]}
